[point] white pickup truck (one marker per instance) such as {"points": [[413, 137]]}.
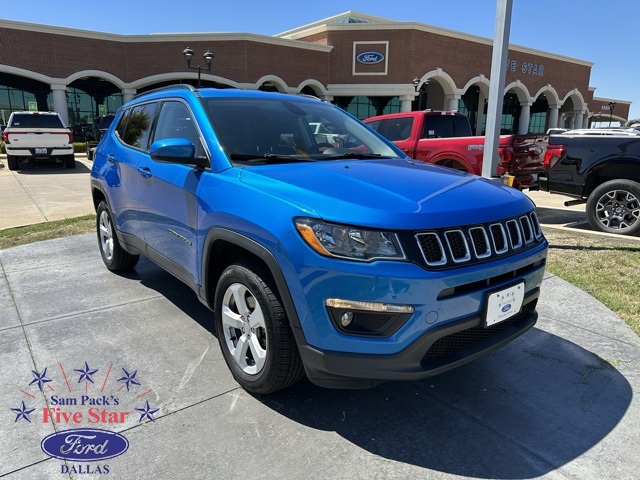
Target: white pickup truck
{"points": [[33, 136]]}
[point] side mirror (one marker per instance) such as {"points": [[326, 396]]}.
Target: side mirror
{"points": [[175, 150]]}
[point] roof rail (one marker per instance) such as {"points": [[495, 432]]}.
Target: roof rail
{"points": [[181, 86]]}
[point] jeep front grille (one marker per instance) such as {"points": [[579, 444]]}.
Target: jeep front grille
{"points": [[451, 247]]}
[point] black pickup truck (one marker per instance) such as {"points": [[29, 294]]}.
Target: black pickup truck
{"points": [[601, 170]]}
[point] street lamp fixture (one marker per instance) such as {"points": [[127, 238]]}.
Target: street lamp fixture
{"points": [[612, 105], [208, 57], [416, 83]]}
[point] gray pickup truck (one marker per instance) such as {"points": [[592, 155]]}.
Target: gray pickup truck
{"points": [[35, 136]]}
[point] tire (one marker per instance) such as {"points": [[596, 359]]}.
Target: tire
{"points": [[614, 207], [89, 152], [70, 161], [113, 255], [253, 330], [12, 162]]}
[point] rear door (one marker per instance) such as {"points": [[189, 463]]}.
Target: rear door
{"points": [[123, 153]]}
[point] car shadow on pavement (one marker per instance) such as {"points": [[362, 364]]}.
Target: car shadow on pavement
{"points": [[520, 412], [45, 168], [154, 277]]}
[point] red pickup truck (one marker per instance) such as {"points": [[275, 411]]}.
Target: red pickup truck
{"points": [[444, 138]]}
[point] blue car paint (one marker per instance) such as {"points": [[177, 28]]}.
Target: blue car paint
{"points": [[261, 203]]}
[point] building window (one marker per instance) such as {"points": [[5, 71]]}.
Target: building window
{"points": [[365, 107]]}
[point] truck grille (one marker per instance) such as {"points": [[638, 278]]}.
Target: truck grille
{"points": [[448, 248]]}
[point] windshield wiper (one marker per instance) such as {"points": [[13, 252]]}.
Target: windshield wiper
{"points": [[357, 155], [268, 157]]}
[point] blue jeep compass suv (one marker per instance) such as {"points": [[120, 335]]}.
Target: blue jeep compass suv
{"points": [[333, 255]]}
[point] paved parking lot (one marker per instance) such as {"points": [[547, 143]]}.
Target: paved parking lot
{"points": [[140, 350]]}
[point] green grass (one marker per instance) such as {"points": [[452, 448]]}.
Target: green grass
{"points": [[13, 237], [605, 267]]}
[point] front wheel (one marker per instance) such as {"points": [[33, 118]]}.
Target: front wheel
{"points": [[113, 255], [614, 207], [253, 330]]}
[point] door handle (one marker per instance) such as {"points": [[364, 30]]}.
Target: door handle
{"points": [[111, 158], [145, 172]]}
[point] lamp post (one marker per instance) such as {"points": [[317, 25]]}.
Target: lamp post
{"points": [[416, 82], [612, 105], [188, 55]]}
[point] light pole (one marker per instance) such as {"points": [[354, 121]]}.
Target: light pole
{"points": [[612, 105], [188, 55]]}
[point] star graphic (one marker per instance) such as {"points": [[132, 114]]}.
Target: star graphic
{"points": [[147, 412], [129, 379], [22, 413], [86, 373], [40, 378]]}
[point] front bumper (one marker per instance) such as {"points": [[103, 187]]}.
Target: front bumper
{"points": [[439, 349]]}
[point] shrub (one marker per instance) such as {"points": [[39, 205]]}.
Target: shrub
{"points": [[78, 147]]}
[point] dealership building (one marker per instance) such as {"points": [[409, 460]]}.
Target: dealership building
{"points": [[364, 64]]}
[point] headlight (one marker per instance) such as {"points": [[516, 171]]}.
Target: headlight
{"points": [[349, 242]]}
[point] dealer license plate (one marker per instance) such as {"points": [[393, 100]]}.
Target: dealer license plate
{"points": [[504, 304], [41, 151]]}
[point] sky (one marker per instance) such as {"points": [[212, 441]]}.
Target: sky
{"points": [[604, 33]]}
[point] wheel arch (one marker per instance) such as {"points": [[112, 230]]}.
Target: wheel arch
{"points": [[620, 169], [223, 247]]}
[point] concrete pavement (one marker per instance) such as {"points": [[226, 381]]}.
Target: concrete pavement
{"points": [[46, 192]]}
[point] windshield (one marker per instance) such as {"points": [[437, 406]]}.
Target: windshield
{"points": [[266, 130], [34, 120]]}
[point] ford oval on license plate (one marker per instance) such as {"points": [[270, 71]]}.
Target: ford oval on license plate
{"points": [[504, 304]]}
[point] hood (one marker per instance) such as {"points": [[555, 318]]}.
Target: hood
{"points": [[398, 193]]}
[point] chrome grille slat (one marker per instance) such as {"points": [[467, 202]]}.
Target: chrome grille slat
{"points": [[453, 247]]}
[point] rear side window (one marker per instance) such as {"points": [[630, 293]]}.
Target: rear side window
{"points": [[397, 128], [446, 126], [27, 120], [135, 125]]}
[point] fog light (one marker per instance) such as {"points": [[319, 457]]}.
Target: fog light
{"points": [[346, 318]]}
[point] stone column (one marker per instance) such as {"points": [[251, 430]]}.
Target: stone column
{"points": [[585, 121], [452, 102], [405, 102], [525, 113], [572, 122], [59, 93], [128, 94], [553, 116], [578, 120]]}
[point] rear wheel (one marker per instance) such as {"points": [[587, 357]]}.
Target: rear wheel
{"points": [[70, 161], [614, 207], [88, 151], [253, 330], [12, 162], [113, 255]]}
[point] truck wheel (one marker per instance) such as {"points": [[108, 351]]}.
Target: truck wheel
{"points": [[88, 151], [253, 330], [614, 207], [12, 162], [113, 255], [70, 161]]}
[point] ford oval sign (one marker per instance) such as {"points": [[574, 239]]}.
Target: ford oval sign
{"points": [[84, 445], [506, 308], [370, 58]]}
